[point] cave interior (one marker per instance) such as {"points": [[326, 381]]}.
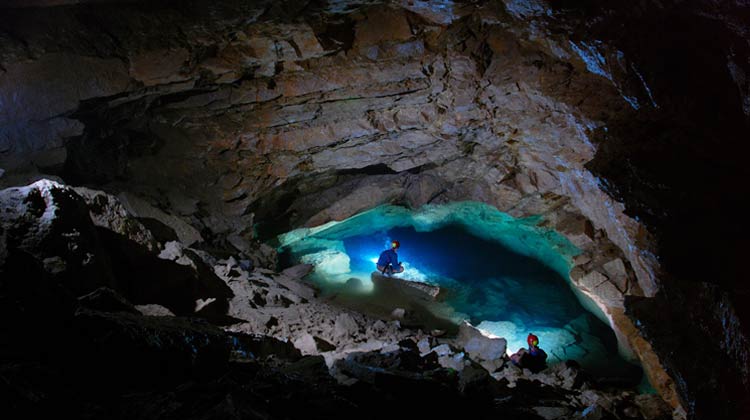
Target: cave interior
{"points": [[193, 195]]}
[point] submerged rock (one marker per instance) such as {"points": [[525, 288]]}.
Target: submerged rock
{"points": [[412, 288]]}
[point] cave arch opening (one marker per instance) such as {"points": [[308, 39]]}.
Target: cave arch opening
{"points": [[506, 276]]}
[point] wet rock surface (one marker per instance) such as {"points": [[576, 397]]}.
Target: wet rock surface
{"points": [[217, 124]]}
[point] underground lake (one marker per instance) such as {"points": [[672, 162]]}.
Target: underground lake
{"points": [[506, 276]]}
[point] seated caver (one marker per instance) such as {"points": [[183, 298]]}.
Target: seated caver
{"points": [[388, 262], [533, 359]]}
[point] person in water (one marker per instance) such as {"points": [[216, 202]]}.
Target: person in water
{"points": [[533, 359], [388, 261]]}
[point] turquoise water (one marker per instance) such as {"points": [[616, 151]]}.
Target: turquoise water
{"points": [[506, 276]]}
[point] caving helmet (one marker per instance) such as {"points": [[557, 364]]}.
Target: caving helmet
{"points": [[532, 340], [395, 244]]}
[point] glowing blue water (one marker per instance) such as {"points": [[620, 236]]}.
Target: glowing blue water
{"points": [[507, 276], [488, 280]]}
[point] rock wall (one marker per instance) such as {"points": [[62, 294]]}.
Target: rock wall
{"points": [[231, 122]]}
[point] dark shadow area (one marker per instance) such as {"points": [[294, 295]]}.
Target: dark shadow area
{"points": [[144, 278]]}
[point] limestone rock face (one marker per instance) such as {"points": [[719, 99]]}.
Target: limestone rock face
{"points": [[602, 288], [142, 209]]}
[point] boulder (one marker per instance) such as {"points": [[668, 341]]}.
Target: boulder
{"points": [[312, 368], [257, 346], [353, 284], [305, 343], [291, 278], [425, 344], [323, 345], [453, 361], [442, 350], [30, 299], [141, 208], [510, 373], [145, 278], [174, 251], [106, 211], [51, 222], [473, 379], [345, 326], [483, 349], [54, 223]]}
